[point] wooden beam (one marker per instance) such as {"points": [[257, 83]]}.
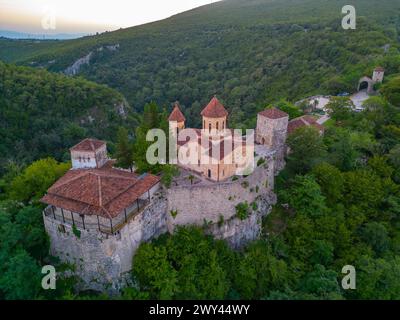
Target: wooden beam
{"points": [[83, 221]]}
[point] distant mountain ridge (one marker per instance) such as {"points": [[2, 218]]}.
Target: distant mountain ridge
{"points": [[43, 113], [44, 36], [248, 52]]}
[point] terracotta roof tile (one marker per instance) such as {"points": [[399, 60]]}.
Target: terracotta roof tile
{"points": [[176, 114], [105, 192], [273, 113], [88, 145], [214, 109], [229, 137], [304, 121]]}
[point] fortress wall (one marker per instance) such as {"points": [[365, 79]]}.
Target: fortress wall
{"points": [[199, 203], [101, 259], [238, 232]]}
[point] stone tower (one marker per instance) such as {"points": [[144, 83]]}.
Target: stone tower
{"points": [[176, 119], [378, 75], [89, 153], [214, 116], [272, 128]]}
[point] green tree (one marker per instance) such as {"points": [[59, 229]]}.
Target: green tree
{"points": [[340, 108], [22, 277], [305, 196], [124, 150], [376, 235], [331, 181], [34, 181], [391, 91], [258, 272], [153, 271], [306, 149], [379, 164], [321, 283], [289, 108]]}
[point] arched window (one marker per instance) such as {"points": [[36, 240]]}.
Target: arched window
{"points": [[223, 125], [209, 127], [217, 125]]}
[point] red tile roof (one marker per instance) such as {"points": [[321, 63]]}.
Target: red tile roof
{"points": [[304, 121], [105, 192], [273, 113], [379, 69], [176, 114], [88, 145], [219, 142], [214, 109]]}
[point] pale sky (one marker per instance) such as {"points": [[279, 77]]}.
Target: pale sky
{"points": [[69, 16]]}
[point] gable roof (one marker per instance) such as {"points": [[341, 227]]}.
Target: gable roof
{"points": [[88, 145], [273, 113], [176, 114], [217, 143], [105, 192], [304, 121], [214, 109]]}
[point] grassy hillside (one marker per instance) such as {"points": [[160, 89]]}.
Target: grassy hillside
{"points": [[42, 113], [248, 52]]}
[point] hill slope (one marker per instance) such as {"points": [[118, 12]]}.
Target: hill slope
{"points": [[248, 52], [42, 114]]}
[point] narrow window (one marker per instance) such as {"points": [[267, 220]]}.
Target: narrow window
{"points": [[217, 125], [209, 173], [209, 127], [223, 125]]}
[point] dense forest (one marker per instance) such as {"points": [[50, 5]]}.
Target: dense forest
{"points": [[338, 197], [43, 114], [339, 204], [247, 52]]}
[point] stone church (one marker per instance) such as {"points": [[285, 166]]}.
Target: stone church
{"points": [[97, 215]]}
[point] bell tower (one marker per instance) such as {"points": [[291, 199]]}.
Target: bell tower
{"points": [[214, 116], [176, 120]]}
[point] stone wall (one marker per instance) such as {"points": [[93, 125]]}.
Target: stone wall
{"points": [[271, 132], [101, 259], [238, 232], [210, 203]]}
